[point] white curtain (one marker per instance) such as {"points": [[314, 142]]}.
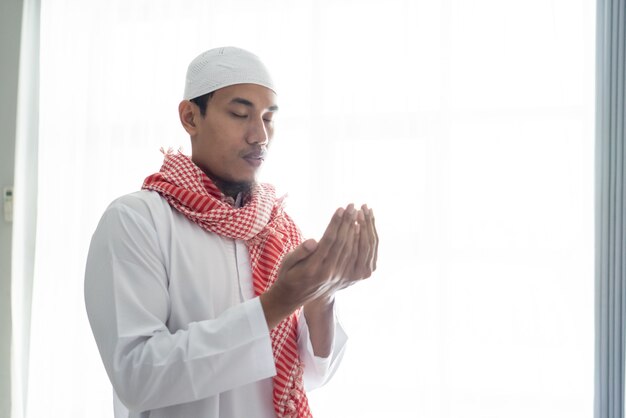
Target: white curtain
{"points": [[25, 213], [467, 126]]}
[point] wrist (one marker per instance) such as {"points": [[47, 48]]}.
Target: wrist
{"points": [[321, 304], [276, 305]]}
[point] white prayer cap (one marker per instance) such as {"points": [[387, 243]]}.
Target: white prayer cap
{"points": [[222, 67]]}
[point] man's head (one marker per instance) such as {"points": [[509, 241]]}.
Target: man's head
{"points": [[228, 106]]}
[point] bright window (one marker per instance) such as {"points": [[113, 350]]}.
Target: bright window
{"points": [[467, 126]]}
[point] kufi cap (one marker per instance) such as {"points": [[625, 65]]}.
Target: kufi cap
{"points": [[222, 67]]}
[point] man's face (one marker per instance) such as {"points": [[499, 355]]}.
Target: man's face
{"points": [[230, 141]]}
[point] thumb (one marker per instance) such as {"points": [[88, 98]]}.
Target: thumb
{"points": [[301, 252], [310, 245]]}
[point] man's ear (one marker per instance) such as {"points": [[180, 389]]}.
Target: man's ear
{"points": [[188, 113]]}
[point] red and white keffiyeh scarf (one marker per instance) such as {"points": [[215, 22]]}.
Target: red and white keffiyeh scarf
{"points": [[269, 234]]}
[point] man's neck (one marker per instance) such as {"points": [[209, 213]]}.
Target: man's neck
{"points": [[231, 189]]}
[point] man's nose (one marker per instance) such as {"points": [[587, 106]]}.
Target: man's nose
{"points": [[258, 133]]}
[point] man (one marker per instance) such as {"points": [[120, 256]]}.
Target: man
{"points": [[201, 296]]}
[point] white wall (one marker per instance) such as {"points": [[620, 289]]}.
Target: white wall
{"points": [[10, 27]]}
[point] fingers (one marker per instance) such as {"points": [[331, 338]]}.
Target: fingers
{"points": [[371, 222], [349, 253], [347, 270], [345, 235], [368, 242], [367, 247], [341, 257], [330, 235], [348, 248], [362, 264], [301, 252]]}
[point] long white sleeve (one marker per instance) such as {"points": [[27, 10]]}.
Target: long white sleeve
{"points": [[128, 302], [318, 370]]}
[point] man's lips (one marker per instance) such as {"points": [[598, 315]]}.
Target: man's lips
{"points": [[254, 158]]}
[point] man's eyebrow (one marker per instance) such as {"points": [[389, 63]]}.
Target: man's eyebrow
{"points": [[248, 103]]}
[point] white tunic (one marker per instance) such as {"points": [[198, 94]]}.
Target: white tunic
{"points": [[174, 315]]}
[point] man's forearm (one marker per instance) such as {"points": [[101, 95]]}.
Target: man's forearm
{"points": [[320, 320]]}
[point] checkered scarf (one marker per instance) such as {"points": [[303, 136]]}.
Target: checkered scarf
{"points": [[269, 234]]}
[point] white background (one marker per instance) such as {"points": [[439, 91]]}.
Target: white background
{"points": [[466, 126]]}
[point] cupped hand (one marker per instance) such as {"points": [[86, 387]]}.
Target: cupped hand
{"points": [[314, 271]]}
